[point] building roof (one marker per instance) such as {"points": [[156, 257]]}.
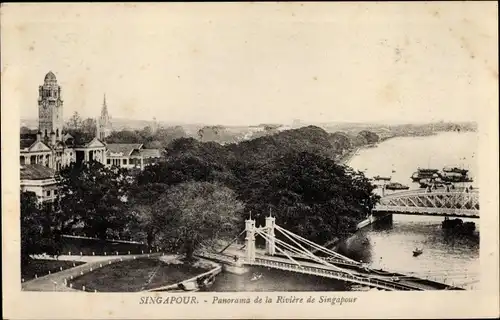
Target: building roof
{"points": [[36, 172], [78, 139], [151, 153], [50, 77], [26, 142], [123, 148]]}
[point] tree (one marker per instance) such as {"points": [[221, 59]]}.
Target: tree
{"points": [[196, 214], [75, 122], [89, 126], [124, 136], [340, 142], [26, 130], [309, 194], [366, 137], [94, 196], [38, 232], [146, 211]]}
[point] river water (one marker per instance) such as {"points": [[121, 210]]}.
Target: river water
{"points": [[390, 245]]}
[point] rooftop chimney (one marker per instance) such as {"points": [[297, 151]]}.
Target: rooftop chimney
{"points": [[39, 136]]}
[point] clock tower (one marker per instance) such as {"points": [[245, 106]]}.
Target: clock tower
{"points": [[50, 108]]}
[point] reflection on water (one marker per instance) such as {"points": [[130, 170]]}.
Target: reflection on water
{"points": [[450, 259], [390, 246], [274, 280], [446, 258]]}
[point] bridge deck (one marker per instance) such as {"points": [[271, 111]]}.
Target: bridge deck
{"points": [[351, 273], [452, 203], [429, 211]]}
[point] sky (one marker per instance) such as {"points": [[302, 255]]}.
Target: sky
{"points": [[249, 63]]}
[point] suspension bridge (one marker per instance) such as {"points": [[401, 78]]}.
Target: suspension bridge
{"points": [[285, 250], [462, 203]]}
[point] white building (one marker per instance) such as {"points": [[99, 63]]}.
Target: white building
{"points": [[49, 150], [131, 155], [40, 180]]}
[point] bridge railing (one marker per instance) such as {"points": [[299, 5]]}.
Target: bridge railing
{"points": [[424, 191], [471, 213], [332, 274]]}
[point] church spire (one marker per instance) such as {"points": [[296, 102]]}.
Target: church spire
{"points": [[104, 110]]}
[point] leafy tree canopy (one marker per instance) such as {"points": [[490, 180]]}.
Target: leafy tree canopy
{"points": [[94, 196], [38, 232]]}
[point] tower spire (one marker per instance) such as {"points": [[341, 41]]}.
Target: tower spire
{"points": [[104, 106]]}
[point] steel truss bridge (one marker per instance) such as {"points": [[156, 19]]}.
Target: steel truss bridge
{"points": [[291, 252], [454, 203]]}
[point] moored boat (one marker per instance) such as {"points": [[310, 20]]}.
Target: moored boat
{"points": [[424, 174], [417, 252], [455, 170], [396, 186], [382, 178]]}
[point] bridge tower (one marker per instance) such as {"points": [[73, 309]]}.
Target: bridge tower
{"points": [[270, 244], [250, 239]]}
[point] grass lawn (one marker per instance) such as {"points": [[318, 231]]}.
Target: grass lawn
{"points": [[42, 267], [87, 246], [133, 276]]}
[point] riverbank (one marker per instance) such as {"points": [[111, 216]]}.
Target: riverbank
{"points": [[346, 158]]}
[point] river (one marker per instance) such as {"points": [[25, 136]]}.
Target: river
{"points": [[390, 246]]}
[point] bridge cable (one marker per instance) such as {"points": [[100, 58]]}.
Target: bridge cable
{"points": [[301, 253], [289, 257], [320, 248], [232, 241], [291, 248], [284, 244], [312, 255], [316, 246]]}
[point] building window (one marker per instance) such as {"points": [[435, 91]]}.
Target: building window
{"points": [[55, 192], [48, 193], [124, 161], [108, 161], [23, 161]]}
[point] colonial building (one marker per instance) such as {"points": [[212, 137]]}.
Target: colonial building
{"points": [[50, 109], [131, 155], [50, 148], [104, 122], [40, 180]]}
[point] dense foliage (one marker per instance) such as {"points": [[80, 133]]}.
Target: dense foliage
{"points": [[39, 233], [204, 191], [151, 139], [93, 198]]}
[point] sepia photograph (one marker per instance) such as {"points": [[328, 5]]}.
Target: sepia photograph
{"points": [[250, 154]]}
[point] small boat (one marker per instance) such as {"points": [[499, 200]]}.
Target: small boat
{"points": [[455, 170], [424, 174], [417, 252], [256, 277], [188, 286], [396, 186], [382, 178]]}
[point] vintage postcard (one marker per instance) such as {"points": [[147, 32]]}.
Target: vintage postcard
{"points": [[250, 160]]}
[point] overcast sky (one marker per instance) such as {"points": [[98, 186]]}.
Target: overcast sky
{"points": [[225, 63]]}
